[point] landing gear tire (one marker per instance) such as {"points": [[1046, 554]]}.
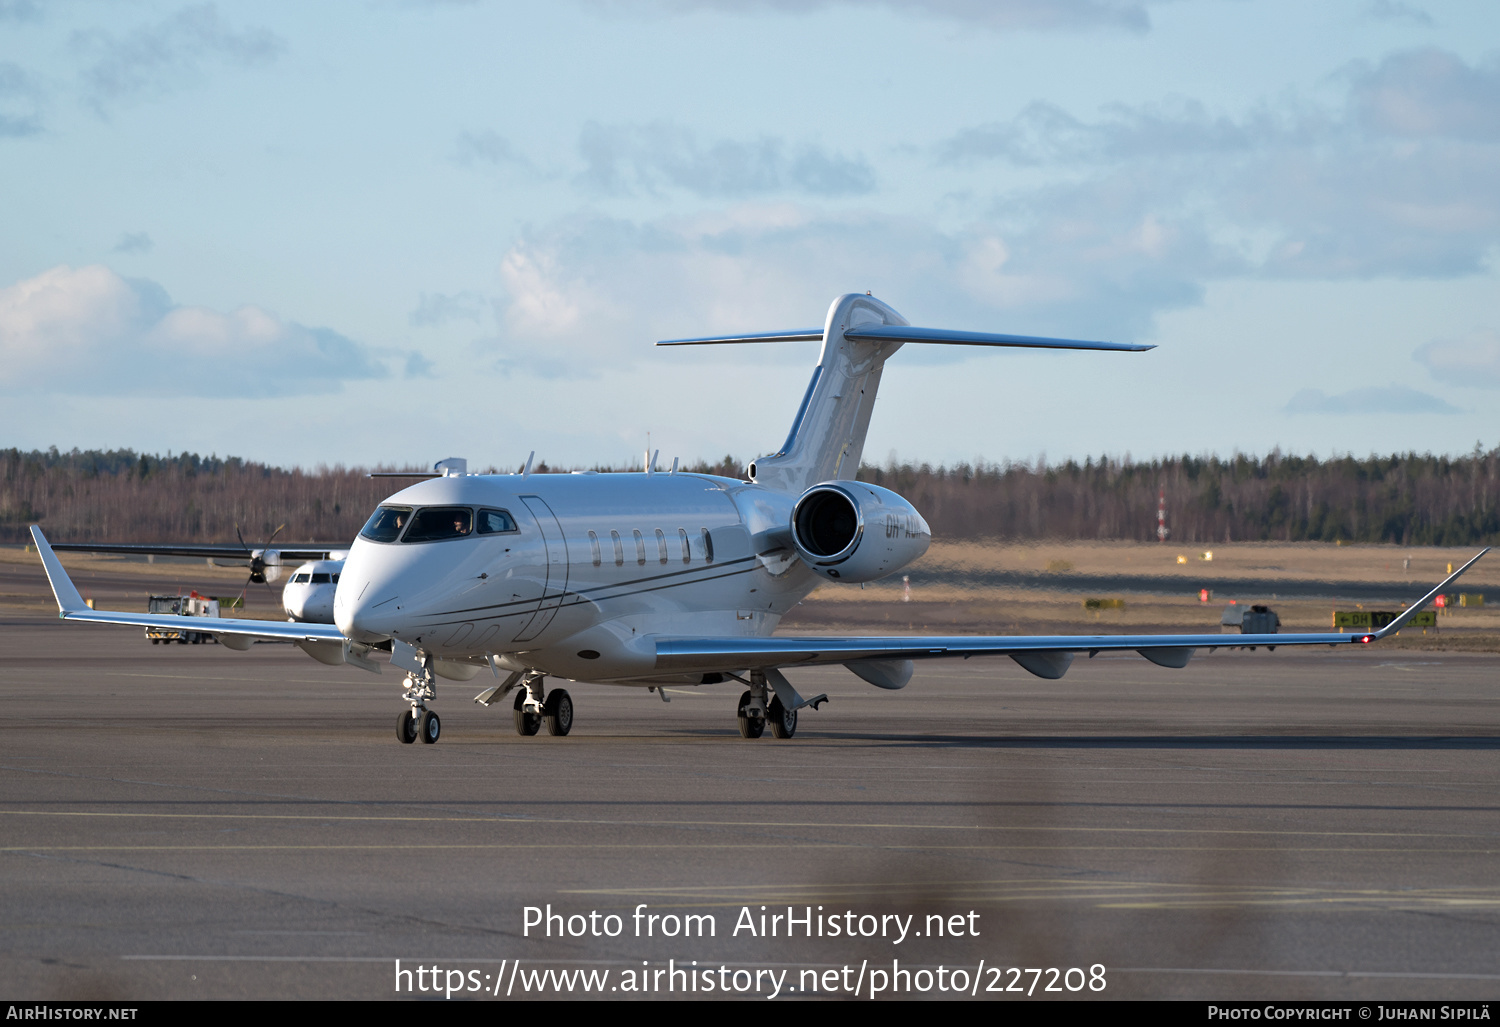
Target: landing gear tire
{"points": [[750, 727], [406, 727], [430, 727], [527, 723], [782, 720], [557, 711]]}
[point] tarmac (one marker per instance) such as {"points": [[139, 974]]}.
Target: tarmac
{"points": [[192, 822]]}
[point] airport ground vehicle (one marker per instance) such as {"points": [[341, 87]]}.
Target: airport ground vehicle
{"points": [[192, 605]]}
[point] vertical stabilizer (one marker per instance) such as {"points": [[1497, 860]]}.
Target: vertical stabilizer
{"points": [[828, 435]]}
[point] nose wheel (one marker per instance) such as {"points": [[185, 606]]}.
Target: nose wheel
{"points": [[419, 721]]}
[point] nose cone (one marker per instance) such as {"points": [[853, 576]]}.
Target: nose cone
{"points": [[366, 607], [366, 620]]}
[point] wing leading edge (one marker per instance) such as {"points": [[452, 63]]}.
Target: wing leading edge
{"points": [[298, 553], [1045, 655]]}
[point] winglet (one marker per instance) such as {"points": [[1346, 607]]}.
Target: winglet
{"points": [[68, 599], [1416, 607]]}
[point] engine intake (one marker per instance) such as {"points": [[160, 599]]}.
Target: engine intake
{"points": [[851, 531]]}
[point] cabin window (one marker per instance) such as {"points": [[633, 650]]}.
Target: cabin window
{"points": [[438, 523], [300, 579], [493, 522], [640, 547], [687, 549], [321, 579], [594, 547], [708, 547], [614, 536], [385, 523], [661, 546]]}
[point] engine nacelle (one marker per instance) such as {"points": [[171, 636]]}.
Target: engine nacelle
{"points": [[851, 531]]}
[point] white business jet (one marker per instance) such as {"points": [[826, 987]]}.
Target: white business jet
{"points": [[663, 578], [308, 595]]}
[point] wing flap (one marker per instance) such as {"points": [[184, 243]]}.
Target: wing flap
{"points": [[1040, 654], [737, 653]]}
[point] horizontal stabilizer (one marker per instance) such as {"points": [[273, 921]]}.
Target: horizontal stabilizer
{"points": [[804, 335], [906, 333]]}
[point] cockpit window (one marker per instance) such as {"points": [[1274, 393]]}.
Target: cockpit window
{"points": [[493, 521], [321, 579], [435, 523], [386, 523], [299, 579]]}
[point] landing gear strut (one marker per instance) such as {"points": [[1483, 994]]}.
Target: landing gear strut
{"points": [[752, 712], [534, 707], [771, 700], [419, 721]]}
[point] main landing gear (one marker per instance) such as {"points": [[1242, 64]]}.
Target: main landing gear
{"points": [[763, 705], [534, 707], [419, 721]]}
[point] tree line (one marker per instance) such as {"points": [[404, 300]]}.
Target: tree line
{"points": [[1407, 499]]}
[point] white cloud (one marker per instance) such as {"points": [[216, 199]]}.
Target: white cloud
{"points": [[157, 58], [87, 331], [1398, 182], [999, 15], [1428, 93], [623, 159], [436, 308], [20, 101], [592, 292], [1473, 360], [489, 147], [1390, 399], [1394, 10], [134, 242]]}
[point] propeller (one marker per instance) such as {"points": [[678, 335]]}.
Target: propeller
{"points": [[257, 562]]}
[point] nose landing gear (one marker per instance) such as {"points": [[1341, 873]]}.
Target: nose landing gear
{"points": [[419, 721]]}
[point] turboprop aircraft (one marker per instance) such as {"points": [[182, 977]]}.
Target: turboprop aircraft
{"points": [[664, 578]]}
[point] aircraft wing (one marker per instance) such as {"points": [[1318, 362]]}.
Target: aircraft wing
{"points": [[297, 553], [1044, 655], [71, 606]]}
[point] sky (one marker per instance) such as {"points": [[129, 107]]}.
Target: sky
{"points": [[391, 231]]}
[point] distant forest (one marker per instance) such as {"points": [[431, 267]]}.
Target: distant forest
{"points": [[1411, 499]]}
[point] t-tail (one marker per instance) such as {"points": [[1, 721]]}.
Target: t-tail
{"points": [[861, 333]]}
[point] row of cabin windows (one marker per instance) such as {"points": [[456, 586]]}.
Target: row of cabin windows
{"points": [[663, 554], [316, 579]]}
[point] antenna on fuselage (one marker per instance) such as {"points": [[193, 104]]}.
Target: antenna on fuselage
{"points": [[526, 471], [651, 461]]}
